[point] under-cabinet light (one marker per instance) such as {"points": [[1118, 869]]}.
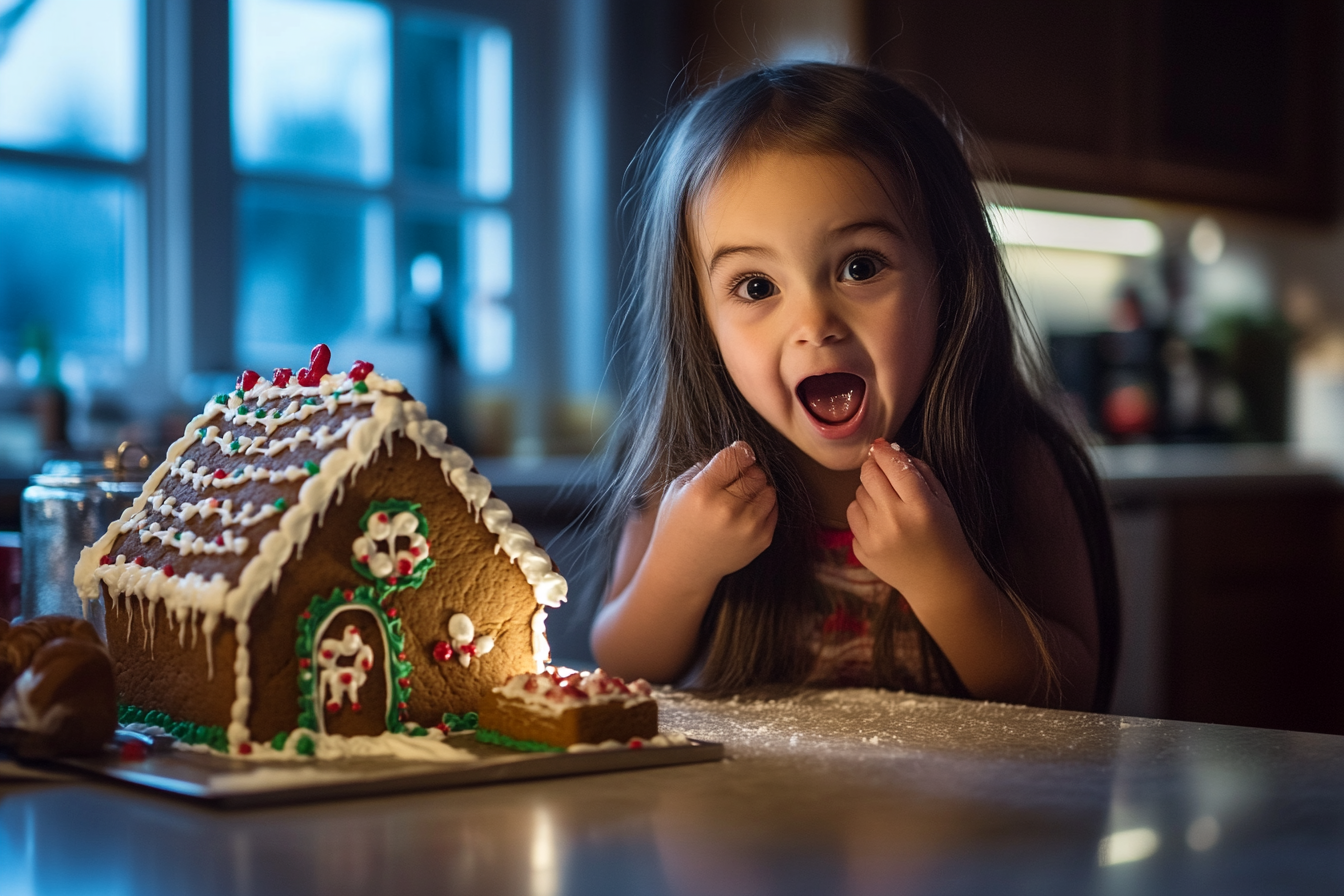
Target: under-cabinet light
{"points": [[1088, 233]]}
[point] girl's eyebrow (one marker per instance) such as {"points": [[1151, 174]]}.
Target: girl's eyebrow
{"points": [[729, 251], [887, 226]]}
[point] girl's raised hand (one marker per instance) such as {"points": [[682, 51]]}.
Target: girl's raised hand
{"points": [[716, 517], [905, 529]]}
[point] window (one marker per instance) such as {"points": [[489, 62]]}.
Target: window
{"points": [[73, 170], [189, 189]]}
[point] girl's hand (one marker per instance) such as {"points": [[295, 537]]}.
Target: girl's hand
{"points": [[905, 529], [716, 517]]}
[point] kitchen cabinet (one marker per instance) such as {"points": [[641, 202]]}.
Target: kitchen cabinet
{"points": [[1231, 562], [1229, 102]]}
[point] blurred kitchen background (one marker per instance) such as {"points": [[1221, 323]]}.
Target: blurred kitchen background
{"points": [[188, 189]]}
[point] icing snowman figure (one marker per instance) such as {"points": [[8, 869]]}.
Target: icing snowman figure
{"points": [[466, 643], [377, 547], [338, 681]]}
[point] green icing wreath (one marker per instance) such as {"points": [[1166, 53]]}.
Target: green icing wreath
{"points": [[416, 577], [322, 608]]}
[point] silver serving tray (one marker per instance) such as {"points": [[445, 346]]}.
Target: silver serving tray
{"points": [[229, 783]]}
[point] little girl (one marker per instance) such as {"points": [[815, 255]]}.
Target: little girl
{"points": [[833, 469]]}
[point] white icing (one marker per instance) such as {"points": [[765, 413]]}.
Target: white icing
{"points": [[377, 547], [466, 643], [431, 746], [340, 681], [551, 692]]}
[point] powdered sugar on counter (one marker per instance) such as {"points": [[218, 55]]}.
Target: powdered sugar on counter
{"points": [[665, 739], [555, 690], [864, 724]]}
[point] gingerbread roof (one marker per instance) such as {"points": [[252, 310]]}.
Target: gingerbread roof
{"points": [[238, 495]]}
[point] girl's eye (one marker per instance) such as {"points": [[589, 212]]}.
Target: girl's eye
{"points": [[755, 288], [862, 267]]}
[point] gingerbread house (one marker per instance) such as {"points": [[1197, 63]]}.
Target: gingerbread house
{"points": [[315, 554]]}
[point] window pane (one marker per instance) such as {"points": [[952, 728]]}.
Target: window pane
{"points": [[311, 88], [71, 276], [456, 104], [310, 270], [70, 77]]}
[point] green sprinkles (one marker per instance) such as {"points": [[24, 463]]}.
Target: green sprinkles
{"points": [[234, 445], [305, 746], [221, 398], [277, 414], [311, 401], [311, 467], [244, 410], [280, 504], [201, 433], [361, 387], [486, 736], [278, 742]]}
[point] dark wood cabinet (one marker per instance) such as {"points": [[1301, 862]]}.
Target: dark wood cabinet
{"points": [[1230, 102]]}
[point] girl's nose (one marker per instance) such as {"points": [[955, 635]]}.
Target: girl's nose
{"points": [[818, 321]]}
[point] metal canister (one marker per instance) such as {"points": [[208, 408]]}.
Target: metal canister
{"points": [[65, 507]]}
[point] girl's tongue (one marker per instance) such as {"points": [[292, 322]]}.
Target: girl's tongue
{"points": [[832, 398]]}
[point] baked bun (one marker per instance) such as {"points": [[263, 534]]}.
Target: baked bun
{"points": [[60, 694]]}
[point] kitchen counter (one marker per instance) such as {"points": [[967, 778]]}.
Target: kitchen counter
{"points": [[833, 792], [1139, 471]]}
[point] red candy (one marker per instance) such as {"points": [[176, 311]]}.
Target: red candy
{"points": [[349, 595], [281, 376], [443, 651], [220, 474], [104, 560], [139, 561], [317, 366], [404, 682], [134, 751], [392, 613], [355, 707], [404, 566], [360, 369], [244, 748], [333, 706], [168, 570], [367, 664], [248, 379], [326, 654], [346, 678], [219, 540], [636, 744], [304, 663]]}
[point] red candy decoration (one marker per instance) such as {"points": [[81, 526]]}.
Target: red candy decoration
{"points": [[402, 656], [281, 376], [468, 649], [346, 678], [317, 366], [349, 595], [392, 613], [104, 560], [244, 748], [404, 682], [220, 474], [139, 561], [360, 369], [636, 744], [168, 570], [326, 654], [134, 751], [355, 707], [391, 580], [248, 379], [219, 540], [333, 706], [304, 663], [404, 566], [443, 651]]}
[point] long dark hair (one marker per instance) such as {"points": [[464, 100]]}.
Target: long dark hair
{"points": [[977, 406]]}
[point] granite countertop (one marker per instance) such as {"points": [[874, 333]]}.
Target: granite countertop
{"points": [[832, 792]]}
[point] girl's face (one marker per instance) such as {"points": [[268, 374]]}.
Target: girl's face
{"points": [[823, 301]]}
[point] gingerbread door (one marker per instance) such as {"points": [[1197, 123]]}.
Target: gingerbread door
{"points": [[352, 684]]}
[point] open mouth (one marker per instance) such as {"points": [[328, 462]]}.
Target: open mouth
{"points": [[832, 398]]}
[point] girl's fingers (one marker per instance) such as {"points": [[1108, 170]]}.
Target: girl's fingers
{"points": [[930, 479], [905, 477], [865, 502], [728, 465]]}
